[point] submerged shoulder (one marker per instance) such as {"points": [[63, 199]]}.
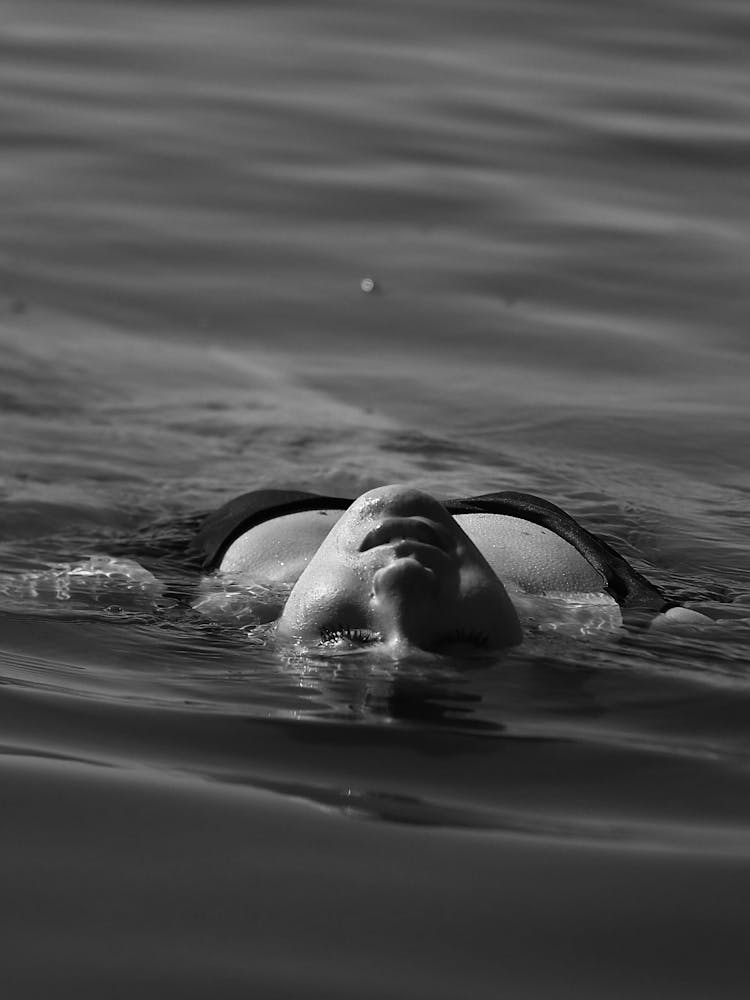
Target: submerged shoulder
{"points": [[679, 617]]}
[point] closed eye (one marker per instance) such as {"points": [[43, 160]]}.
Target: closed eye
{"points": [[338, 632]]}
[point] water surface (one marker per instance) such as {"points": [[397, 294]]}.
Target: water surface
{"points": [[552, 201]]}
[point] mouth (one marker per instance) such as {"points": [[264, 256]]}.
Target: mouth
{"points": [[412, 529]]}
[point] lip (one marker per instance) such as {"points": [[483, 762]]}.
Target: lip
{"points": [[412, 529]]}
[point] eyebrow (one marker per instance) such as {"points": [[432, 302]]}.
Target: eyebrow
{"points": [[474, 637]]}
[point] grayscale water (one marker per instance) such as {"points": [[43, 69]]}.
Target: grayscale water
{"points": [[553, 202]]}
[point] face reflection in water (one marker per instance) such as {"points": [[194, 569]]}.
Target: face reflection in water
{"points": [[398, 569]]}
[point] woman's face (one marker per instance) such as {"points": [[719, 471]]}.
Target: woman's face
{"points": [[396, 568]]}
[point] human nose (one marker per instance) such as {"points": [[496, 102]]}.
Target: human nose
{"points": [[403, 601]]}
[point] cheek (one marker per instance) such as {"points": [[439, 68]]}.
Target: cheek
{"points": [[476, 575], [324, 599]]}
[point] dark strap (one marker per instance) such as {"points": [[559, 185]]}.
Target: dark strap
{"points": [[632, 591]]}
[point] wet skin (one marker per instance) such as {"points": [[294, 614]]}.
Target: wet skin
{"points": [[397, 569], [447, 580]]}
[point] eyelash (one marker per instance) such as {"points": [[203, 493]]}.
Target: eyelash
{"points": [[361, 635], [364, 636]]}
